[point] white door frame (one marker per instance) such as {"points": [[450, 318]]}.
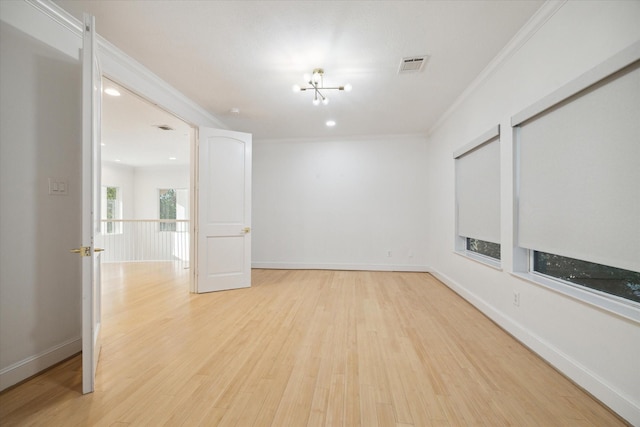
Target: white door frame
{"points": [[91, 289]]}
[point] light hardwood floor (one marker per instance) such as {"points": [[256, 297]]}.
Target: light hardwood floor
{"points": [[300, 348]]}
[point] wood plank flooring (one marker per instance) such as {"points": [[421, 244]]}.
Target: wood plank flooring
{"points": [[300, 348]]}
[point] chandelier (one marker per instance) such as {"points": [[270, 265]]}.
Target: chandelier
{"points": [[315, 83]]}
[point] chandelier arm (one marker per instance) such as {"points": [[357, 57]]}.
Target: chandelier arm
{"points": [[312, 86], [317, 91], [317, 85], [302, 89]]}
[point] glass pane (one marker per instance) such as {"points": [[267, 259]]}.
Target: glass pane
{"points": [[614, 281], [483, 247], [168, 204], [112, 210]]}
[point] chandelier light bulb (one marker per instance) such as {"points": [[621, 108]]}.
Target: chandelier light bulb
{"points": [[325, 100], [348, 87], [316, 101], [296, 88], [307, 77]]}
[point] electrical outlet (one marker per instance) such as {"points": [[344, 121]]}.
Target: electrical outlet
{"points": [[516, 298]]}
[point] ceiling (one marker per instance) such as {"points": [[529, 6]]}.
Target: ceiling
{"points": [[130, 134], [248, 55]]}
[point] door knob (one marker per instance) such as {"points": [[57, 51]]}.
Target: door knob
{"points": [[246, 230], [85, 250]]}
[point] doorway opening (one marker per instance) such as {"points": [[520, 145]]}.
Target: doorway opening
{"points": [[146, 181]]}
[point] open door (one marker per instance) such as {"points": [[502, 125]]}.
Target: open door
{"points": [[223, 213], [91, 232]]}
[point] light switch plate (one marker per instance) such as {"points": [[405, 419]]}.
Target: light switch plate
{"points": [[58, 187]]}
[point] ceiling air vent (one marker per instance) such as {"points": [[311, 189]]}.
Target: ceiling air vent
{"points": [[164, 127], [412, 64]]}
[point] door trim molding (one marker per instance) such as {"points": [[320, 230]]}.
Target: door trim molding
{"points": [[118, 66]]}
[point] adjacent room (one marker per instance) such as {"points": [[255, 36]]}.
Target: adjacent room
{"points": [[297, 213], [146, 170]]}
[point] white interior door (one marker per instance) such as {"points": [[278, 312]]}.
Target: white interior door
{"points": [[223, 220], [91, 232]]}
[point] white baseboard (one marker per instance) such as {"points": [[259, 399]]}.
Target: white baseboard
{"points": [[355, 267], [30, 366], [619, 403]]}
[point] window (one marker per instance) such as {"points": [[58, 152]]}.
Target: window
{"points": [[577, 209], [477, 168], [112, 209], [482, 247], [173, 206], [168, 209], [611, 280]]}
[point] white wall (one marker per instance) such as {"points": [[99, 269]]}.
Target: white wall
{"points": [[340, 203], [147, 182], [597, 349], [143, 241], [139, 186], [40, 134]]}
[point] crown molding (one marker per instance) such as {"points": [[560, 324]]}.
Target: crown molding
{"points": [[537, 21], [344, 138], [57, 14]]}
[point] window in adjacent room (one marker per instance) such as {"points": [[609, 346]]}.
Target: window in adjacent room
{"points": [[112, 210], [168, 209], [173, 206], [477, 168]]}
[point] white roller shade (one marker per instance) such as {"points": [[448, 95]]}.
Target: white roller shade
{"points": [[478, 192], [579, 193]]}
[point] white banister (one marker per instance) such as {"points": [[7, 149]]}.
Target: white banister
{"points": [[145, 240]]}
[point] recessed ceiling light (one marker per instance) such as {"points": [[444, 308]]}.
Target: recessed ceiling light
{"points": [[102, 144], [172, 158], [117, 160], [111, 91], [331, 123]]}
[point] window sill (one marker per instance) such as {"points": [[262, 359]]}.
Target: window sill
{"points": [[489, 262], [615, 305]]}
